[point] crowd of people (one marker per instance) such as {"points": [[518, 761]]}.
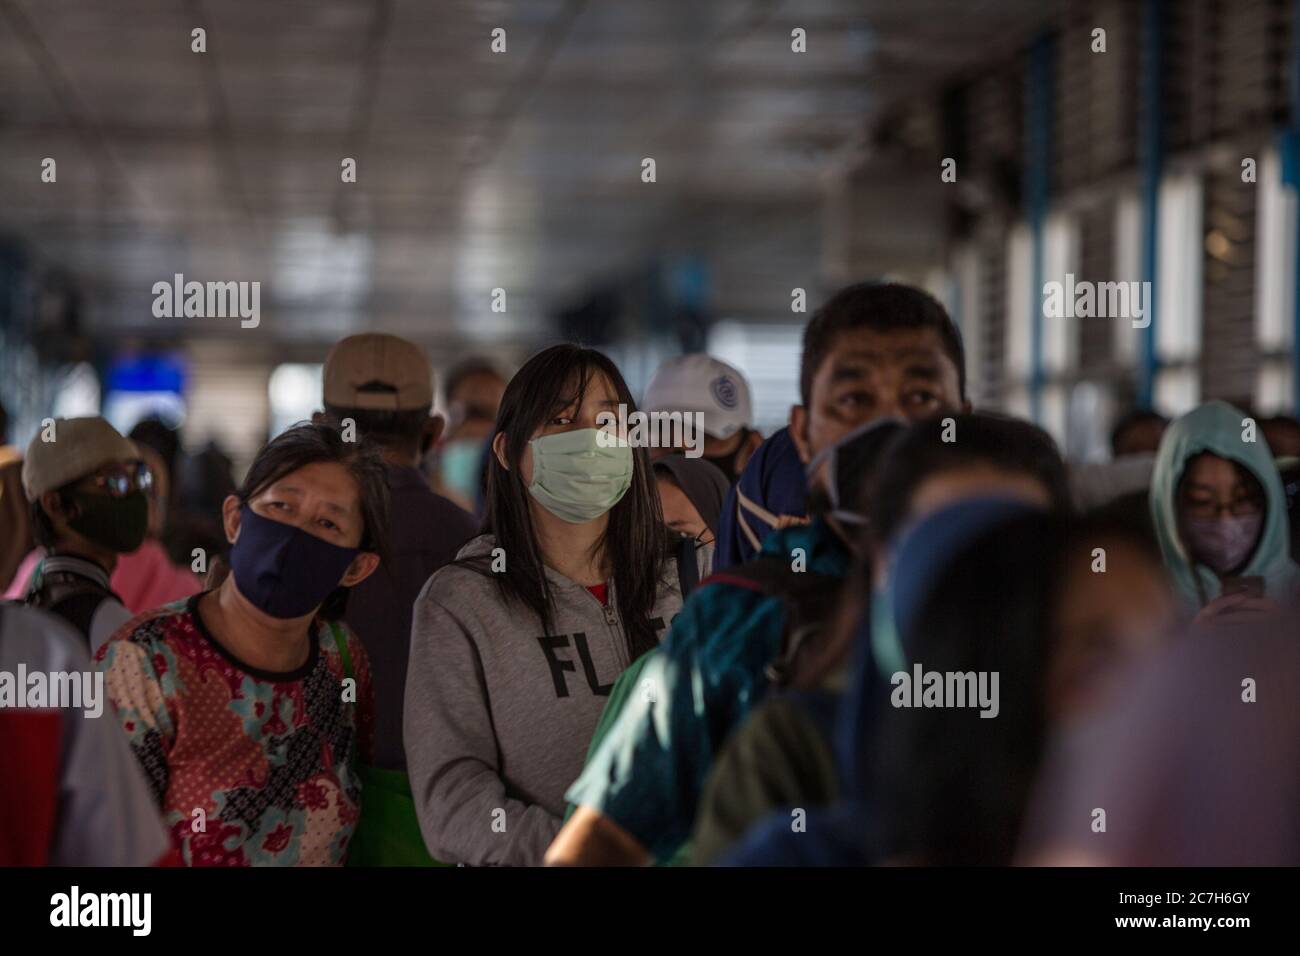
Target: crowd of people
{"points": [[898, 630]]}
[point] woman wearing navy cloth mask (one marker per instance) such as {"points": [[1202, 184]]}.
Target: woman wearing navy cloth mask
{"points": [[516, 646], [251, 702]]}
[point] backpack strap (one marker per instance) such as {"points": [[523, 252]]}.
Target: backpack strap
{"points": [[808, 597], [345, 657], [342, 642], [67, 594]]}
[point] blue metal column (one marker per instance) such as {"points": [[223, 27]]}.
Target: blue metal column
{"points": [[1151, 153], [1038, 158]]}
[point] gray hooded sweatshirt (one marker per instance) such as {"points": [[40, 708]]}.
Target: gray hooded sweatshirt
{"points": [[498, 714]]}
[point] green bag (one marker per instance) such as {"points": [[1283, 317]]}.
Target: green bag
{"points": [[388, 833]]}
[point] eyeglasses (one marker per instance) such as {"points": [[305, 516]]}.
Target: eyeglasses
{"points": [[120, 480], [1238, 508]]}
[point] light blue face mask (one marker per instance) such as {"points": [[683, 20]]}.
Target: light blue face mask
{"points": [[579, 475], [458, 463]]}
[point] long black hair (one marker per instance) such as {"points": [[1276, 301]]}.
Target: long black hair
{"points": [[952, 786], [635, 543], [308, 443], [921, 451]]}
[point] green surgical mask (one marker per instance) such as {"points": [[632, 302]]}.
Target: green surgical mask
{"points": [[118, 524], [579, 475]]}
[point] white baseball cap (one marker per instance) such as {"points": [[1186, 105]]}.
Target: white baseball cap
{"points": [[701, 383]]}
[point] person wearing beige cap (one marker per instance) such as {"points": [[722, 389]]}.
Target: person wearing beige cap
{"points": [[384, 385], [87, 489]]}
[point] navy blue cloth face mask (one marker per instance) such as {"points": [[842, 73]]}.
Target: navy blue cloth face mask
{"points": [[282, 570]]}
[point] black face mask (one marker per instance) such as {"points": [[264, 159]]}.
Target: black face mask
{"points": [[848, 462], [118, 524], [727, 463]]}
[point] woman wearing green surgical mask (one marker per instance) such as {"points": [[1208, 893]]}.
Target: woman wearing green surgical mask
{"points": [[515, 646]]}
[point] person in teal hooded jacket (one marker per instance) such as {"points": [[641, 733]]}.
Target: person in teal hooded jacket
{"points": [[1220, 515]]}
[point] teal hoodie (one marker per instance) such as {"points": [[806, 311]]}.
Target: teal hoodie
{"points": [[1217, 427]]}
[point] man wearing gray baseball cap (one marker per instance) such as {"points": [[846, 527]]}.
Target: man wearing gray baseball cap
{"points": [[86, 486]]}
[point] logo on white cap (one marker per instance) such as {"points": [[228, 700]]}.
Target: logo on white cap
{"points": [[724, 391]]}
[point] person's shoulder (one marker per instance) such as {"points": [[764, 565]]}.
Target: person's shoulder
{"points": [[153, 627], [478, 545], [418, 495], [480, 548], [111, 607], [332, 636], [724, 604], [756, 576], [794, 534], [330, 633], [41, 640], [811, 543], [448, 511], [467, 571]]}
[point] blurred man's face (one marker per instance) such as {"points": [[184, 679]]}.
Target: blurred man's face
{"points": [[975, 480], [1104, 621], [473, 407], [868, 375]]}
